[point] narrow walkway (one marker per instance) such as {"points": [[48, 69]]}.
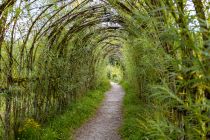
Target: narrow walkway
{"points": [[105, 124]]}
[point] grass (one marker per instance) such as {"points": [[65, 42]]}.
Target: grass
{"points": [[145, 121], [63, 126], [131, 108]]}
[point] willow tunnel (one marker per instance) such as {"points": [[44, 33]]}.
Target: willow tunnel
{"points": [[53, 52]]}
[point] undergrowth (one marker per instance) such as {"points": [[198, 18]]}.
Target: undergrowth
{"points": [[63, 126], [131, 109]]}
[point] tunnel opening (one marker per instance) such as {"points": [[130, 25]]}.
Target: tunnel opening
{"points": [[115, 68]]}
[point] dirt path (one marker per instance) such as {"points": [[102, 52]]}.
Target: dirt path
{"points": [[105, 124]]}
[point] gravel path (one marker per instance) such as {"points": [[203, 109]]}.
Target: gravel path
{"points": [[104, 125]]}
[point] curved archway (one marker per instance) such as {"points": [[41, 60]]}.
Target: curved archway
{"points": [[51, 52]]}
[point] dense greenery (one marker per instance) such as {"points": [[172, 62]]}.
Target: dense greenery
{"points": [[167, 65], [53, 52], [48, 64], [132, 110], [63, 126]]}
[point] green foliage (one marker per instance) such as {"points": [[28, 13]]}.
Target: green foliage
{"points": [[50, 58], [131, 108], [63, 126], [30, 130], [53, 52], [114, 73], [142, 121], [165, 64]]}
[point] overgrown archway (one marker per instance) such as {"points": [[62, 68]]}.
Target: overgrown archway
{"points": [[52, 52]]}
